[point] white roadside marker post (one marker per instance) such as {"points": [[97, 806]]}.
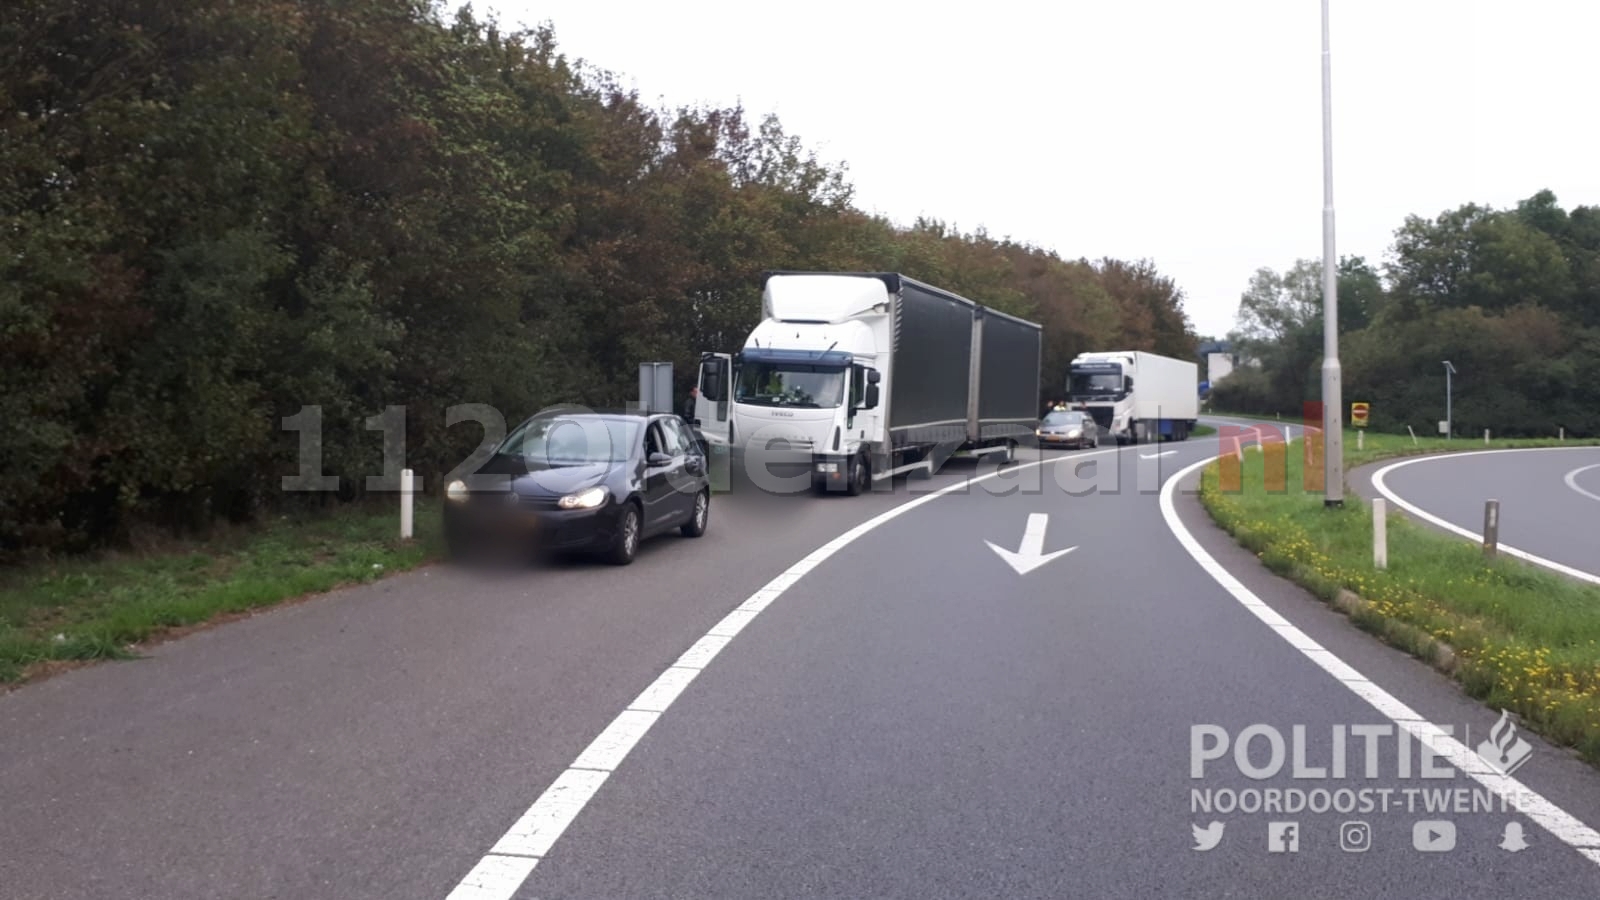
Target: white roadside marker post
{"points": [[1380, 535], [406, 495], [1491, 528]]}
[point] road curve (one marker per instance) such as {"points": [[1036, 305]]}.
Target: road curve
{"points": [[909, 717], [1549, 500]]}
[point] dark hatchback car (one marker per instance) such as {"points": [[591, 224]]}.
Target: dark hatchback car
{"points": [[585, 482]]}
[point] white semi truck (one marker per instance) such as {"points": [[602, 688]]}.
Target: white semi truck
{"points": [[1137, 397], [858, 377]]}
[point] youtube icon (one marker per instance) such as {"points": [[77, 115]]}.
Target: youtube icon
{"points": [[1434, 836]]}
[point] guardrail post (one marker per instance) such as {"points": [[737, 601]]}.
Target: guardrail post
{"points": [[406, 504], [1563, 434], [1380, 535], [1491, 528], [1486, 436]]}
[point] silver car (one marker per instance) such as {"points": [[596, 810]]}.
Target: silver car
{"points": [[1068, 428]]}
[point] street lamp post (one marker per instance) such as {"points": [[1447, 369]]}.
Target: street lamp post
{"points": [[1449, 419], [1332, 400]]}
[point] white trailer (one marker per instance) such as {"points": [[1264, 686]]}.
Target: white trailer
{"points": [[1137, 397]]}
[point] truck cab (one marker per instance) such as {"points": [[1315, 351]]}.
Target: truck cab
{"points": [[803, 395]]}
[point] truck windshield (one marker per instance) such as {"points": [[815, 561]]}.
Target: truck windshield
{"points": [[1095, 384], [790, 384]]}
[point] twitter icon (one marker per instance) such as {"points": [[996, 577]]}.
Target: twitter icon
{"points": [[1207, 837]]}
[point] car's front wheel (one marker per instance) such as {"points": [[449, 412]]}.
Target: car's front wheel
{"points": [[625, 546], [696, 526]]}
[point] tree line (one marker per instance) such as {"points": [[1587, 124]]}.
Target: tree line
{"points": [[216, 213], [1510, 297]]}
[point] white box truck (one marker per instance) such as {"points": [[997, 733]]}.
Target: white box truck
{"points": [[862, 376], [1137, 397]]}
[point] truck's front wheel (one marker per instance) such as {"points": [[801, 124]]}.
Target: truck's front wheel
{"points": [[858, 477]]}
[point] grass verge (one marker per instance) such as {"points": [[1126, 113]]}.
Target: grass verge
{"points": [[1514, 636], [56, 615]]}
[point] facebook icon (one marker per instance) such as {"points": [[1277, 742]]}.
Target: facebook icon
{"points": [[1283, 837]]}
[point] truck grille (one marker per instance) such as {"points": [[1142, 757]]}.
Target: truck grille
{"points": [[785, 445]]}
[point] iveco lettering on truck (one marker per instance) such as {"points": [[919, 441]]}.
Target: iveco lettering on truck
{"points": [[862, 376], [1136, 396]]}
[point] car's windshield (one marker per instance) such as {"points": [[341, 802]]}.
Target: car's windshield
{"points": [[1064, 418], [571, 440], [790, 384]]}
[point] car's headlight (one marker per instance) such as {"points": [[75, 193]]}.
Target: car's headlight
{"points": [[588, 499], [1074, 433], [457, 490], [1038, 432]]}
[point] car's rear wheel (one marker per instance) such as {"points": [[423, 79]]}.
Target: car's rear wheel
{"points": [[625, 546], [696, 526]]}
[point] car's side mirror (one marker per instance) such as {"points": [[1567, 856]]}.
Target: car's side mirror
{"points": [[871, 399], [657, 460]]}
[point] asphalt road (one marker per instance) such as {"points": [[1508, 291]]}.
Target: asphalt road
{"points": [[911, 718], [1549, 498]]}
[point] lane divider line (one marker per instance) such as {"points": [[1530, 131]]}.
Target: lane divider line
{"points": [[501, 872], [1561, 824], [1419, 512], [1571, 478]]}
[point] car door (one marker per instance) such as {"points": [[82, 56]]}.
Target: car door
{"points": [[656, 485], [695, 475], [683, 479]]}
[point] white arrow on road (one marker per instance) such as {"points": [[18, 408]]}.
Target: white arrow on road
{"points": [[1157, 455], [1031, 554]]}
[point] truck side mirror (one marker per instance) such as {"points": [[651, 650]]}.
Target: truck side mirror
{"points": [[873, 377], [871, 399], [711, 380]]}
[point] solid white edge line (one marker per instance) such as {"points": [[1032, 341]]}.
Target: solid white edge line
{"points": [[1571, 478], [500, 873], [1412, 508], [1561, 824]]}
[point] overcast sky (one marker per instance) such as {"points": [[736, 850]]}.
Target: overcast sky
{"points": [[1185, 132]]}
